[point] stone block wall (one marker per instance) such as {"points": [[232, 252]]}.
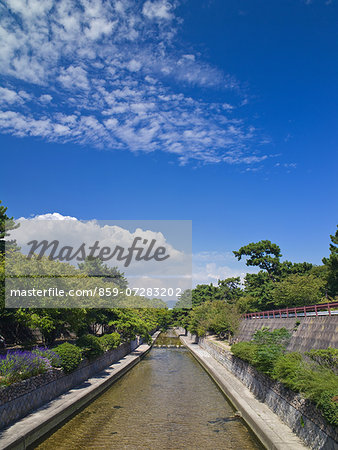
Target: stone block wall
{"points": [[310, 333]]}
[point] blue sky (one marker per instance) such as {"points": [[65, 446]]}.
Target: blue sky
{"points": [[222, 112]]}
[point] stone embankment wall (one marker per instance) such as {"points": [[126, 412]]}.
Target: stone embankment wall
{"points": [[299, 414], [17, 400], [310, 332]]}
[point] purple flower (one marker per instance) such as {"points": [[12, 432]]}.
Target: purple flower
{"points": [[18, 365]]}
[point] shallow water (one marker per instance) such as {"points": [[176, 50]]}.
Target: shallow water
{"points": [[168, 338], [167, 401]]}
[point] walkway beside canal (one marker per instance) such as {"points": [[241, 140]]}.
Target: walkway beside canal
{"points": [[269, 429]]}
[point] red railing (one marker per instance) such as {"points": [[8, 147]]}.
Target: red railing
{"points": [[299, 311]]}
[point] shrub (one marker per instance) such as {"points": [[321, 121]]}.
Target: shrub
{"points": [[279, 336], [328, 403], [90, 346], [326, 357], [264, 349], [245, 351], [287, 368], [317, 384], [110, 341], [263, 357], [315, 381], [70, 356], [53, 357], [266, 356], [21, 364]]}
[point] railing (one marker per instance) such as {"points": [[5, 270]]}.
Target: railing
{"points": [[323, 309]]}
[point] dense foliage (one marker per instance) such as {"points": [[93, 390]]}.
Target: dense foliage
{"points": [[90, 346], [277, 284], [314, 379], [70, 356], [325, 357], [215, 316], [331, 264], [264, 349], [110, 341]]}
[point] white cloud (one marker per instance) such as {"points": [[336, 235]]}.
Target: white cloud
{"points": [[211, 266], [210, 274], [134, 66], [45, 98], [74, 77], [207, 266], [51, 216], [8, 96], [70, 231], [157, 9], [106, 65]]}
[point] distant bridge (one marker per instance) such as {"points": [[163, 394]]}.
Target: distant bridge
{"points": [[322, 309]]}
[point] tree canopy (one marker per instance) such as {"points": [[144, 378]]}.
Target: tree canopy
{"points": [[332, 265], [263, 254]]}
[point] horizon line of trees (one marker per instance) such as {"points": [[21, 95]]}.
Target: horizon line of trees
{"points": [[278, 284], [132, 315]]}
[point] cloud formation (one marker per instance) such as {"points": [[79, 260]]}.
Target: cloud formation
{"points": [[209, 267], [69, 231], [113, 75]]}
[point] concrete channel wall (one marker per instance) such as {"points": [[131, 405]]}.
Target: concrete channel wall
{"points": [[307, 332], [17, 400], [299, 414]]}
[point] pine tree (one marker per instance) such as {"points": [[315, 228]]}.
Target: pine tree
{"points": [[332, 264], [6, 224]]}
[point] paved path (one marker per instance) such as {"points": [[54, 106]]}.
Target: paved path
{"points": [[270, 430]]}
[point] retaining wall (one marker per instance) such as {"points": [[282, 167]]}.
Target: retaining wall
{"points": [[299, 414], [19, 399], [312, 332]]}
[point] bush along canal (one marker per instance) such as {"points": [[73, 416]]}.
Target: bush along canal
{"points": [[167, 401]]}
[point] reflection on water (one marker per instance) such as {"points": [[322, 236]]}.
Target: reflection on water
{"points": [[168, 339], [167, 401]]}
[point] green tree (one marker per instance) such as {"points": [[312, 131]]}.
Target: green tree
{"points": [[298, 290], [6, 224], [332, 266], [203, 293], [216, 316], [129, 324], [229, 289], [289, 268], [7, 320], [185, 300], [94, 267], [263, 254], [259, 287]]}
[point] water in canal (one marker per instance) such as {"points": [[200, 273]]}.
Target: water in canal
{"points": [[167, 401]]}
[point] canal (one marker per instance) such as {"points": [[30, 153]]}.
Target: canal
{"points": [[167, 401]]}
